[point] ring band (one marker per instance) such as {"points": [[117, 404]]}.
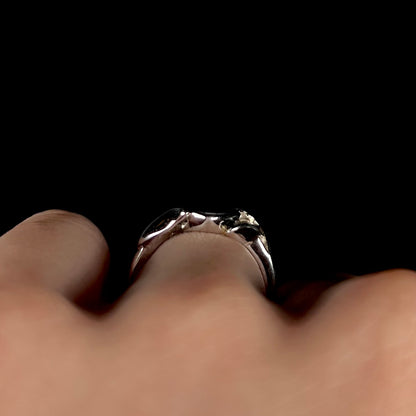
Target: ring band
{"points": [[237, 224]]}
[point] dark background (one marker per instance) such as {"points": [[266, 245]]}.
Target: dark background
{"points": [[306, 126], [319, 222]]}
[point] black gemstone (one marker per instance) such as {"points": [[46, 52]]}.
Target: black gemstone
{"points": [[250, 232], [230, 222]]}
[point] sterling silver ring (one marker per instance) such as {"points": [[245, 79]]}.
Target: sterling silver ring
{"points": [[236, 224]]}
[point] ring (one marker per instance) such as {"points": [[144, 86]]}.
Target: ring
{"points": [[236, 224]]}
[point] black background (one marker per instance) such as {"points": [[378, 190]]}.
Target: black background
{"points": [[310, 131]]}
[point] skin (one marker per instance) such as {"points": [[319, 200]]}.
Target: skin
{"points": [[194, 335]]}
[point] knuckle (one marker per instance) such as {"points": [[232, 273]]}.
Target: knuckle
{"points": [[388, 300], [391, 291], [397, 287], [54, 219], [384, 304], [377, 315]]}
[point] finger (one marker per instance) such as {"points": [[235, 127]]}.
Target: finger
{"points": [[57, 250], [194, 269], [192, 260], [378, 303]]}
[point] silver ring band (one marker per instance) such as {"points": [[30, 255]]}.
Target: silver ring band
{"points": [[238, 225]]}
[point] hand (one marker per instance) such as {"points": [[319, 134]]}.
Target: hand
{"points": [[193, 336]]}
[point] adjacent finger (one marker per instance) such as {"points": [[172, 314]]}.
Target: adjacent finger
{"points": [[57, 250], [378, 305]]}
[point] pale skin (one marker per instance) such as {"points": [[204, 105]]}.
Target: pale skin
{"points": [[194, 336]]}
